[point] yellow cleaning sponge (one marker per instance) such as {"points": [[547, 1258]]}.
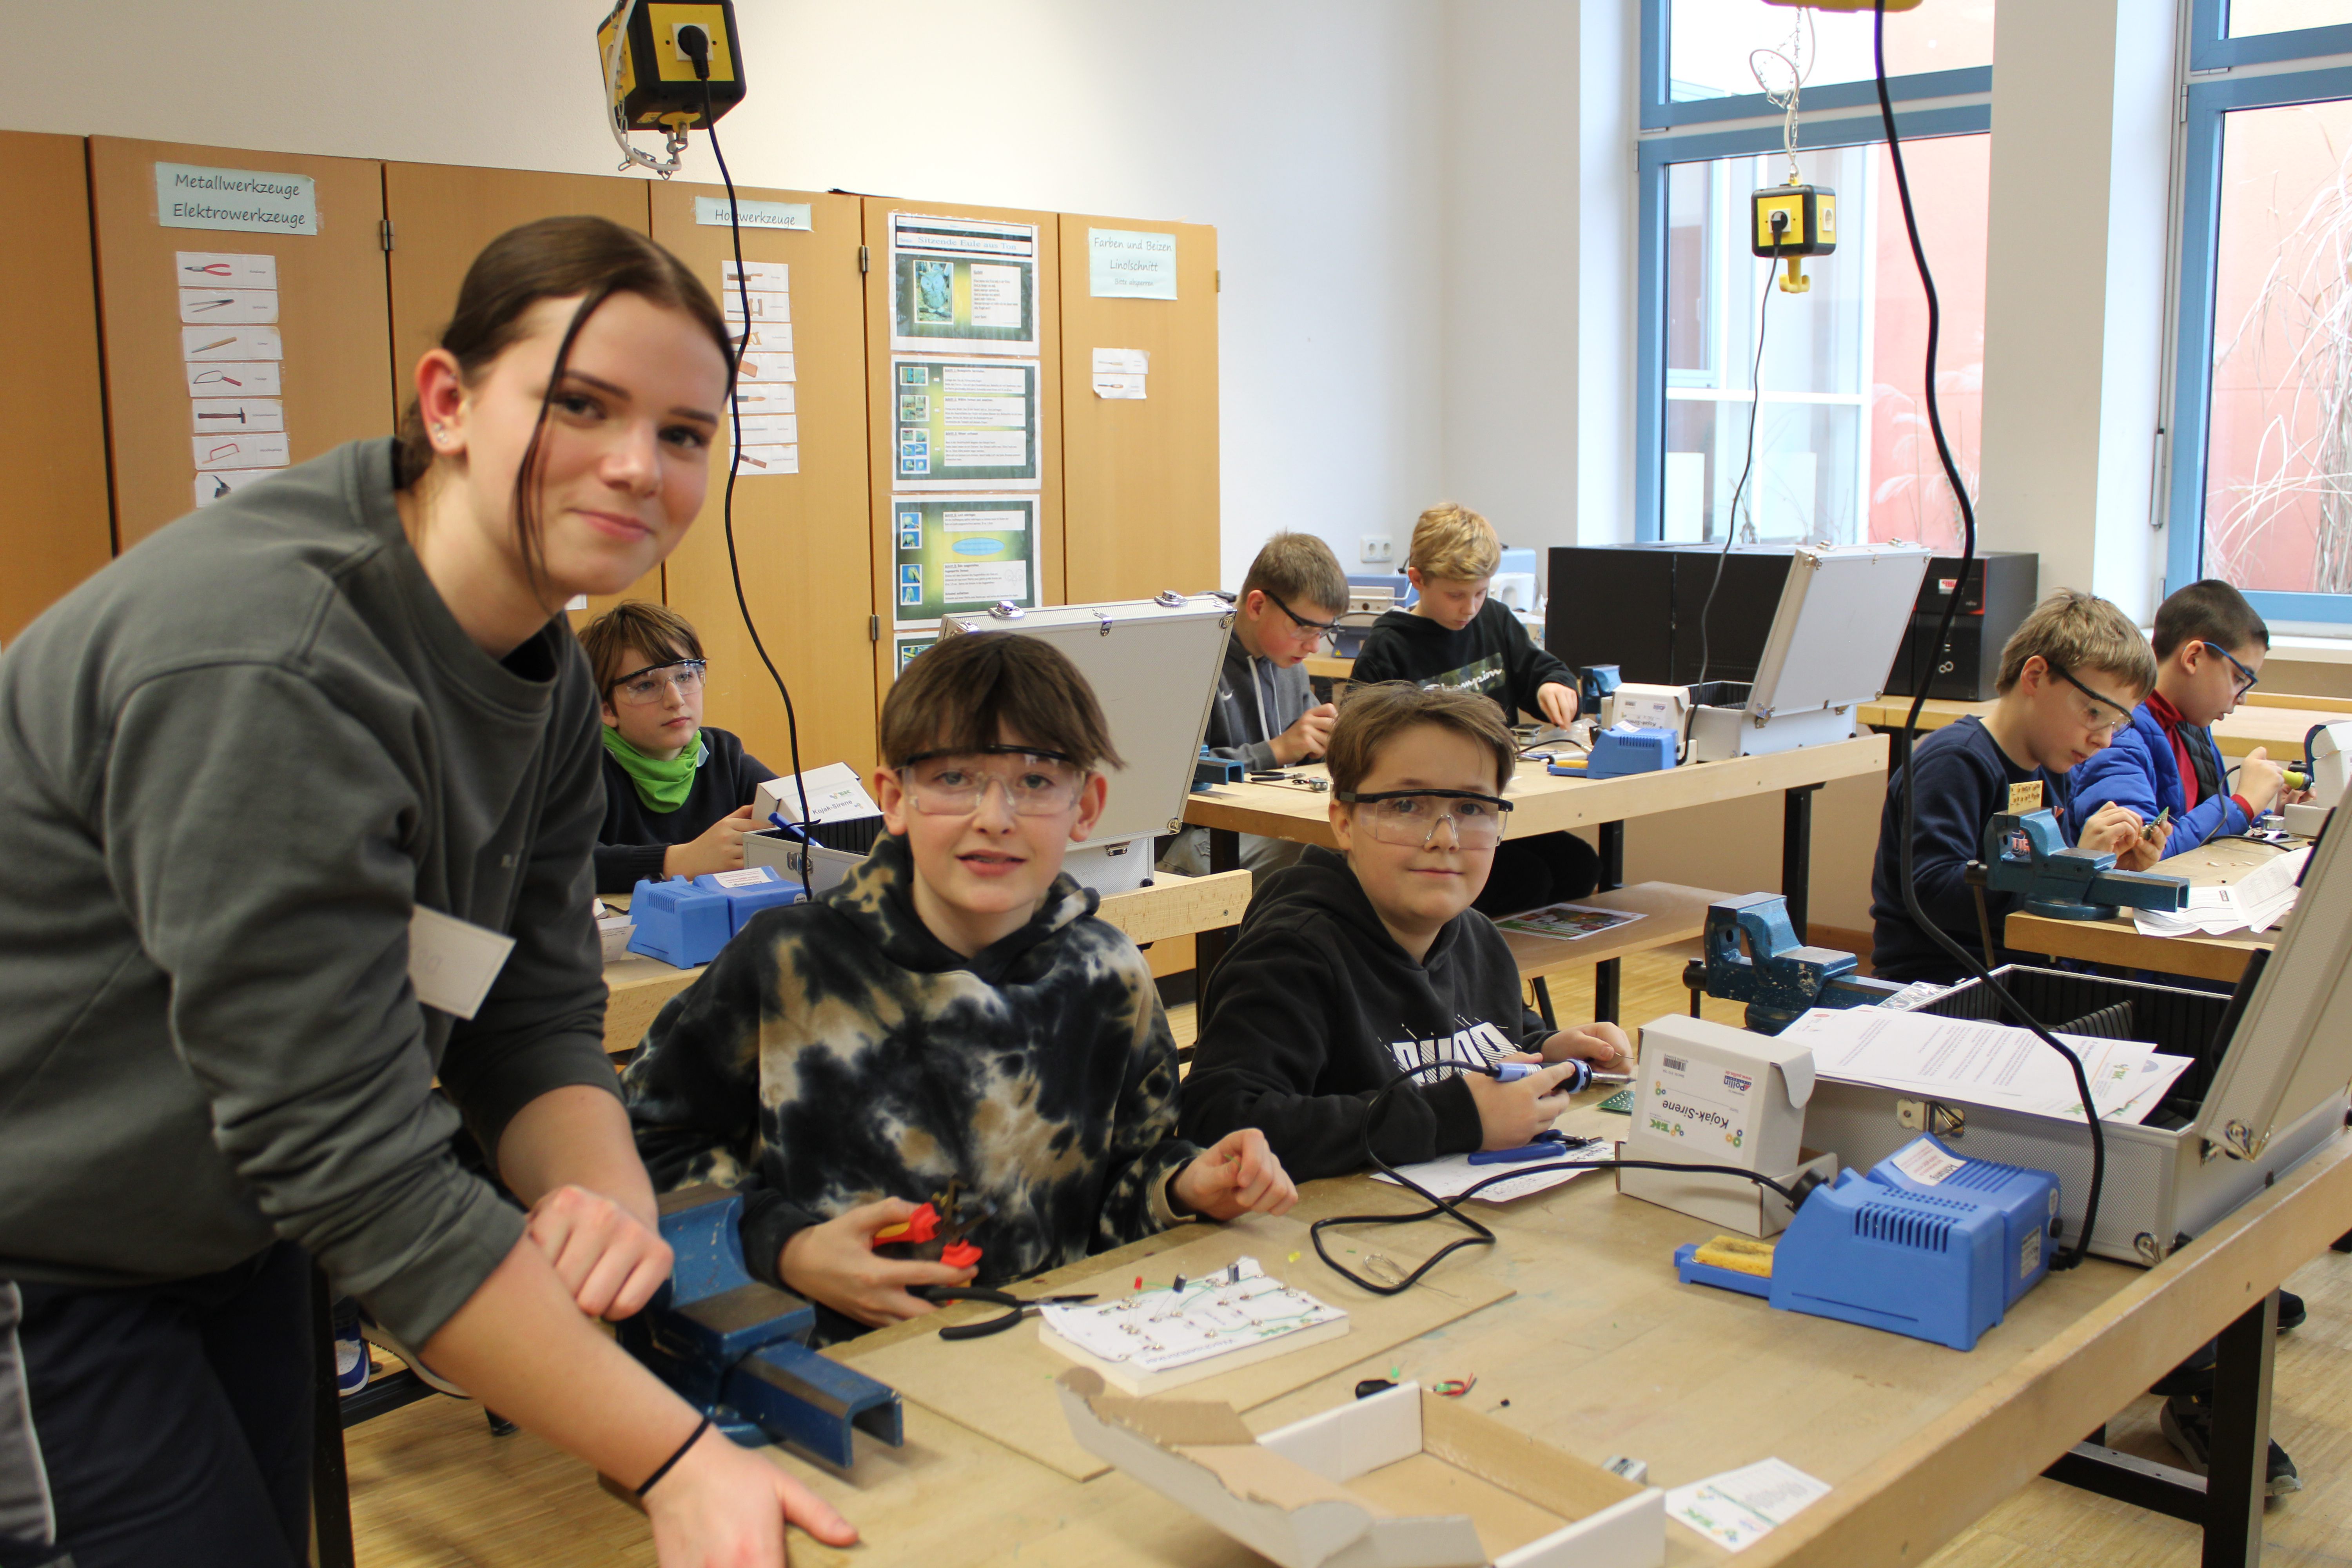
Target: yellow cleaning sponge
{"points": [[1743, 1254]]}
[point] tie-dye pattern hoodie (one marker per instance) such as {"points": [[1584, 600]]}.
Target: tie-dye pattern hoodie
{"points": [[837, 1052]]}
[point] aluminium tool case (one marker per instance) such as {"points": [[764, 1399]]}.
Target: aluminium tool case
{"points": [[2267, 1089], [1153, 665]]}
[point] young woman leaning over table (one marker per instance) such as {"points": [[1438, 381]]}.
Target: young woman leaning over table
{"points": [[235, 766]]}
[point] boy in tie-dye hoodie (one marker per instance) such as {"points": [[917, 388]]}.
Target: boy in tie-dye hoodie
{"points": [[952, 1012]]}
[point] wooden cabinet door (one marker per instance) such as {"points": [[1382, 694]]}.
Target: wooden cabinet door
{"points": [[801, 538], [56, 529], [331, 308], [441, 218], [1139, 480]]}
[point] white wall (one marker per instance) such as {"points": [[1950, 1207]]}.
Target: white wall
{"points": [[1538, 287], [1307, 132], [2074, 275]]}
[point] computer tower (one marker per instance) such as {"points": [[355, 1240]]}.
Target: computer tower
{"points": [[2000, 593]]}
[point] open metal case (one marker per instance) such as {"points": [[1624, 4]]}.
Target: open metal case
{"points": [[2274, 1078], [1153, 664], [1843, 611]]}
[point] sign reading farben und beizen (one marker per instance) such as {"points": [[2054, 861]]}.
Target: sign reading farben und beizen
{"points": [[189, 197]]}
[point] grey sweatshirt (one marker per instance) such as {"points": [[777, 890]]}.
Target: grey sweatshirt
{"points": [[231, 766], [1256, 700]]}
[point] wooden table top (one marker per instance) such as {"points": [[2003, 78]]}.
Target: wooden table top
{"points": [[637, 987], [2120, 942], [2277, 721], [1603, 1351], [1545, 804]]}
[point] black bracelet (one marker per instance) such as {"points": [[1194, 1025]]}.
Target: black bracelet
{"points": [[692, 1439]]}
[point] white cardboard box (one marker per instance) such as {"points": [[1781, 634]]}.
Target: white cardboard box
{"points": [[1341, 1490], [1709, 1094]]}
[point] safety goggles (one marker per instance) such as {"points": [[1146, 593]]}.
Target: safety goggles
{"points": [[952, 784], [1325, 632], [647, 685], [1411, 817], [2098, 726]]}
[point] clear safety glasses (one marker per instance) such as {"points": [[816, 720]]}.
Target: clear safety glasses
{"points": [[1412, 816], [952, 784], [647, 685]]}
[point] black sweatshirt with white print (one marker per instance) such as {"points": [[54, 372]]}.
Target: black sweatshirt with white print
{"points": [[1316, 1007]]}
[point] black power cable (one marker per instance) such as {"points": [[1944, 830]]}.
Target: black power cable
{"points": [[1480, 1236], [1909, 881], [696, 45], [1754, 418]]}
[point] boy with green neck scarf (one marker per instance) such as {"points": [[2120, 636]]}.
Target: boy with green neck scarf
{"points": [[677, 792]]}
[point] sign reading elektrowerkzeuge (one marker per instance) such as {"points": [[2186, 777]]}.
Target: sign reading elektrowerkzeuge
{"points": [[187, 196]]}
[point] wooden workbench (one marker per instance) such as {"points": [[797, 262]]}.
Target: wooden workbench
{"points": [[2277, 720], [1602, 1352], [1545, 804], [1171, 906], [2121, 943]]}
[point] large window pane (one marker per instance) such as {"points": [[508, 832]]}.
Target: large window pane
{"points": [[1708, 42], [2248, 18], [2278, 472], [1843, 452]]}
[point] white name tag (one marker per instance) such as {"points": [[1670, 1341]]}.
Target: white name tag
{"points": [[452, 963]]}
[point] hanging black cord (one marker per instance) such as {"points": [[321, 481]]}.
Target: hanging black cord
{"points": [[735, 450], [1754, 418], [1910, 880], [1480, 1236]]}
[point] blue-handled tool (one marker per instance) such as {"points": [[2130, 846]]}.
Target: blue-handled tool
{"points": [[1583, 1078], [1548, 1145]]}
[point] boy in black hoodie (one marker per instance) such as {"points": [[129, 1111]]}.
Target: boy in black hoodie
{"points": [[1455, 637], [1353, 967]]}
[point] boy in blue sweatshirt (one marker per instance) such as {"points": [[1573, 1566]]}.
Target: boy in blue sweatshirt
{"points": [[2070, 677], [2210, 647]]}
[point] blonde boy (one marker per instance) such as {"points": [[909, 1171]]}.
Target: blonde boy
{"points": [[2070, 677], [1456, 639], [952, 1013]]}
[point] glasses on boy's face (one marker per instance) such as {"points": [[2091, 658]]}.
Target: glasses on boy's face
{"points": [[2100, 707], [647, 685], [1324, 632], [952, 784], [2246, 678], [1412, 816]]}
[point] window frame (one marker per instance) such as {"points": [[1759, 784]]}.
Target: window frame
{"points": [[2210, 48], [1690, 133], [1660, 112], [2206, 104]]}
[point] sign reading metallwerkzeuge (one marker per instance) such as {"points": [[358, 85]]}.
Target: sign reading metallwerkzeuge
{"points": [[187, 196]]}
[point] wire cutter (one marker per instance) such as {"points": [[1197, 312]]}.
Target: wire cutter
{"points": [[982, 1327]]}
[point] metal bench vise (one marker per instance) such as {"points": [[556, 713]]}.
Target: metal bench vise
{"points": [[1777, 976], [2025, 854], [738, 1349]]}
